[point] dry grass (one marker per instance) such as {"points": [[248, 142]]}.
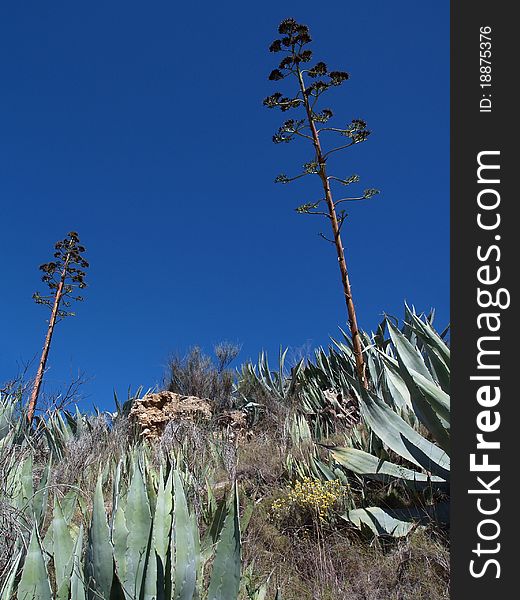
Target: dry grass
{"points": [[12, 524], [336, 564], [89, 453], [261, 463], [341, 566]]}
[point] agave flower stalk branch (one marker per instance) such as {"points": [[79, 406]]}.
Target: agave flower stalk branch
{"points": [[327, 154], [349, 200]]}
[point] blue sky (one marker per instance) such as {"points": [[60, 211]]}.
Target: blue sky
{"points": [[141, 126]]}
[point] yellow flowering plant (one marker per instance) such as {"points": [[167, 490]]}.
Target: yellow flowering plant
{"points": [[310, 502]]}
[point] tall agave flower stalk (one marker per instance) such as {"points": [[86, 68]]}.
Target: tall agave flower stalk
{"points": [[312, 83], [64, 275]]}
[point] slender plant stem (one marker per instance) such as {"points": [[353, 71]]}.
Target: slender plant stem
{"points": [[31, 407], [321, 160]]}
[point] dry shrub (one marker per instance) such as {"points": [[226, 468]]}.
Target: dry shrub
{"points": [[197, 374]]}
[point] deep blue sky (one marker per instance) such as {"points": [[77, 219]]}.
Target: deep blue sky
{"points": [[141, 126]]}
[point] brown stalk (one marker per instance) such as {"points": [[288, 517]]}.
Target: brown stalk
{"points": [[31, 407], [347, 290]]}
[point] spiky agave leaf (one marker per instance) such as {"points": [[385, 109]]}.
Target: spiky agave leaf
{"points": [[63, 546], [184, 573], [34, 583], [99, 563], [225, 577], [6, 591], [396, 522], [77, 579], [138, 524]]}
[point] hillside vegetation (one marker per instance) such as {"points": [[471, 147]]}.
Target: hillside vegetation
{"points": [[301, 484]]}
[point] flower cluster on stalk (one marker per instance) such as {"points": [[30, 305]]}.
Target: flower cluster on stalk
{"points": [[312, 82], [68, 267]]}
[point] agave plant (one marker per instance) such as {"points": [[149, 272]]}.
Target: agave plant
{"points": [[303, 456], [408, 409], [278, 384], [144, 542], [14, 427], [7, 409], [310, 390], [149, 546], [404, 433]]}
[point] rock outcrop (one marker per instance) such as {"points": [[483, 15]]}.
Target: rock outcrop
{"points": [[153, 412]]}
